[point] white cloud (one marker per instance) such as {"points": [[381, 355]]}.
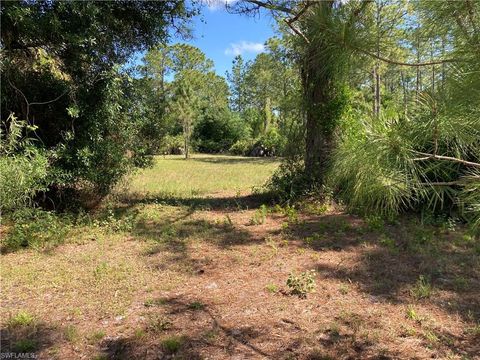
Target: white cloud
{"points": [[214, 5], [244, 46]]}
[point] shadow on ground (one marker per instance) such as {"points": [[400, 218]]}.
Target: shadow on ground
{"points": [[29, 338], [405, 263], [239, 160], [231, 203], [212, 338]]}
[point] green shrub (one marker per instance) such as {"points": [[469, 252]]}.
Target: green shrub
{"points": [[172, 144], [23, 169], [242, 147], [35, 228], [21, 178]]}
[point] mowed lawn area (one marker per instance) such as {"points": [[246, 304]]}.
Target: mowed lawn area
{"points": [[172, 175], [184, 261]]}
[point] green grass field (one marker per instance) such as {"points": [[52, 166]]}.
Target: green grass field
{"points": [[202, 174]]}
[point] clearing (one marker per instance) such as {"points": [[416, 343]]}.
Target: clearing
{"points": [[186, 263]]}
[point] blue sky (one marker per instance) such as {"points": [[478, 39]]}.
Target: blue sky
{"points": [[222, 36]]}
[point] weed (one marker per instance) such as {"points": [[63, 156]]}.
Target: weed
{"points": [[96, 336], [210, 334], [228, 221], [100, 270], [387, 242], [431, 337], [422, 289], [172, 344], [158, 324], [139, 333], [25, 346], [316, 209], [71, 333], [38, 229], [196, 305], [302, 284], [155, 302], [260, 216], [21, 319], [271, 288], [291, 213], [334, 332], [422, 237], [374, 223], [344, 289], [474, 330], [412, 314], [460, 283], [308, 241]]}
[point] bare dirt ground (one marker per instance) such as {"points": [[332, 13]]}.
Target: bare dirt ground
{"points": [[206, 279]]}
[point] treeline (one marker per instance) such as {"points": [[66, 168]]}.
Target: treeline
{"points": [[188, 107]]}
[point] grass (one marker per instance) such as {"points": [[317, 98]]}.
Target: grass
{"points": [[202, 174], [150, 272]]}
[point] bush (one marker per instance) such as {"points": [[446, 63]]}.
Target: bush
{"points": [[21, 178], [35, 228], [172, 145], [242, 147], [23, 169], [217, 132], [273, 141]]}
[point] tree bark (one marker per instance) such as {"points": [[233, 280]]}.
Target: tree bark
{"points": [[320, 121]]}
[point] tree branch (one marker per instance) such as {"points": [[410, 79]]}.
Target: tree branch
{"points": [[427, 156], [296, 31], [401, 63]]}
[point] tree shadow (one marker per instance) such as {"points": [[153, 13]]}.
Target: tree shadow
{"points": [[388, 263], [228, 340], [202, 330], [231, 203], [29, 338], [239, 160]]}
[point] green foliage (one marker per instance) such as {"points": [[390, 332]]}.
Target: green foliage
{"points": [[21, 319], [66, 83], [35, 228], [302, 284], [290, 180], [242, 147], [25, 345], [196, 305], [171, 145], [423, 288], [218, 131], [172, 344], [271, 288], [23, 169], [260, 215]]}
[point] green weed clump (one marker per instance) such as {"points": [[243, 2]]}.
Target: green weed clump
{"points": [[172, 344], [302, 284], [423, 288], [260, 216]]}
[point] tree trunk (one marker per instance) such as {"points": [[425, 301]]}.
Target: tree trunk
{"points": [[321, 120]]}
